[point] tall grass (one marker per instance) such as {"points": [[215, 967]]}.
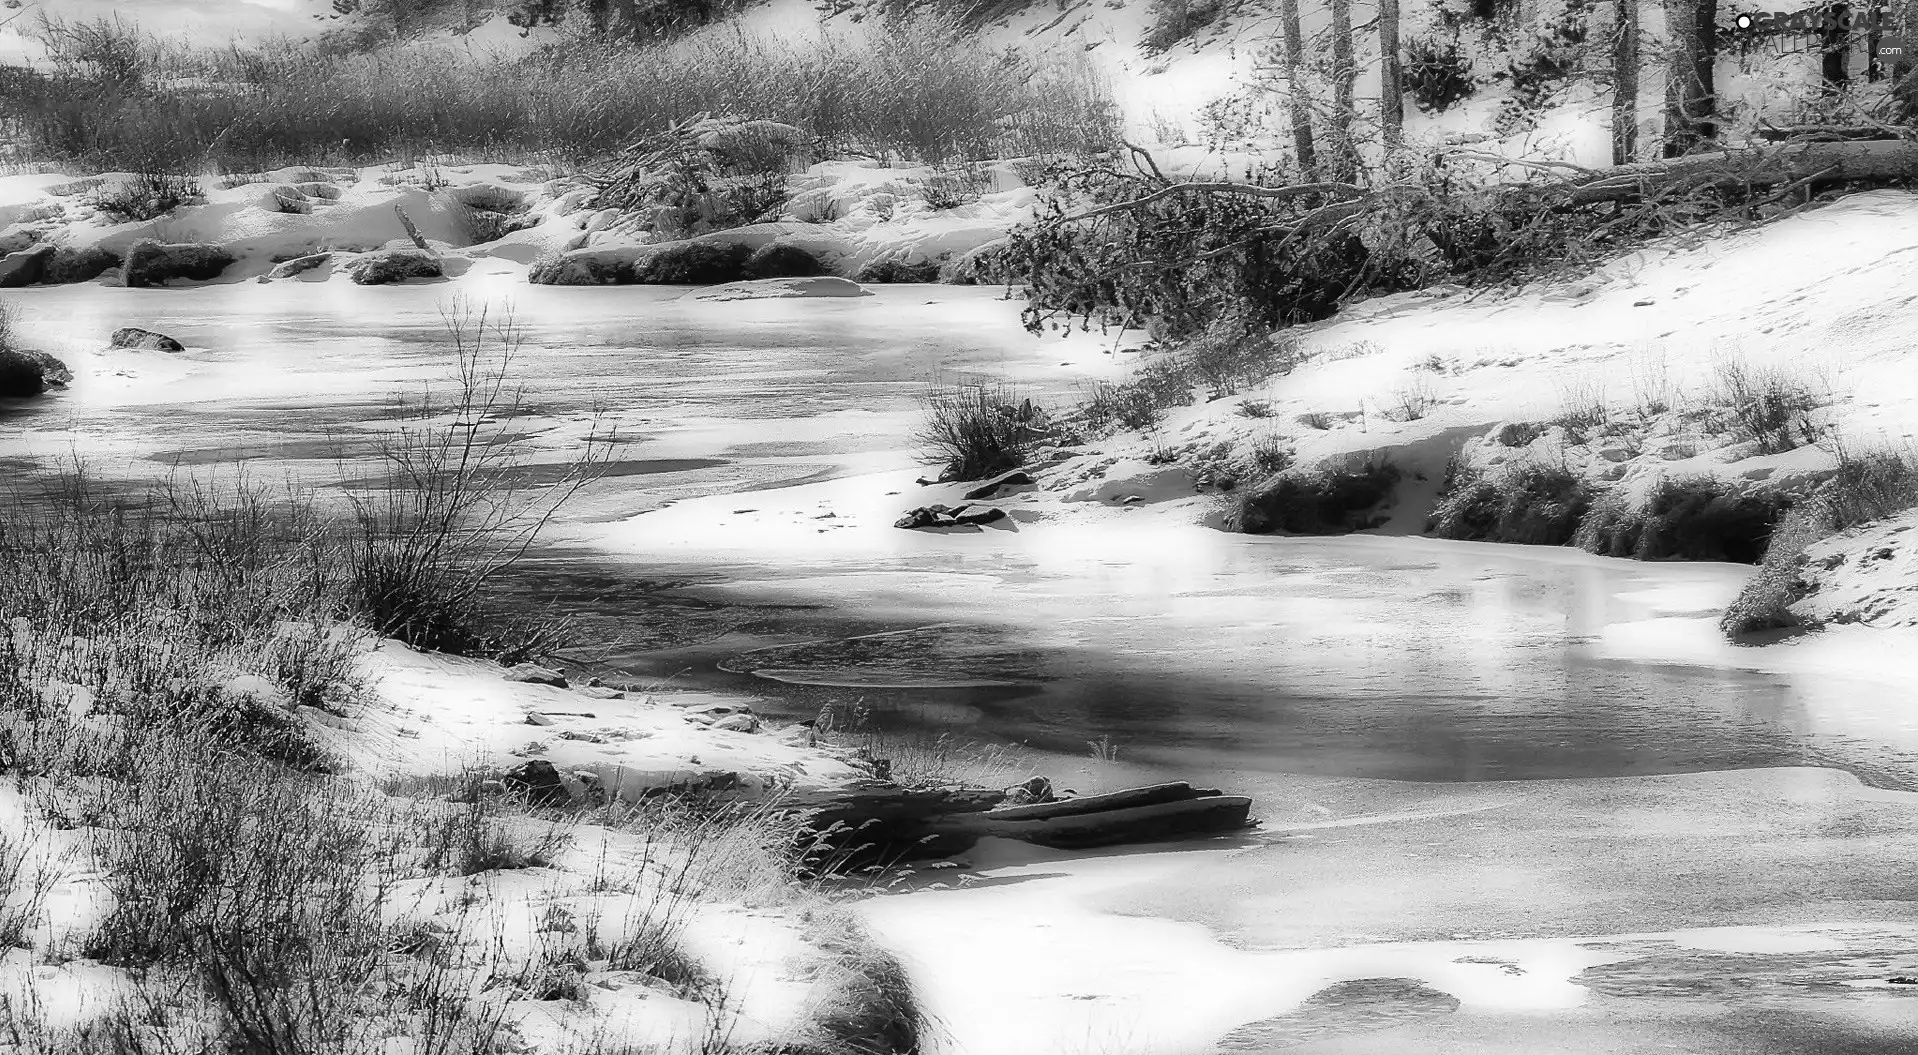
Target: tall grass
{"points": [[114, 97], [978, 428]]}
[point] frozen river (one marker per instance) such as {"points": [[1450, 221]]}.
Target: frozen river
{"points": [[1515, 800]]}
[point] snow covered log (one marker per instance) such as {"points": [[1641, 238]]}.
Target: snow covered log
{"points": [[1755, 167]]}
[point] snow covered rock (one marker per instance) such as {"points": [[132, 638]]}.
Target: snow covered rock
{"points": [[539, 781], [25, 267], [151, 263], [24, 373], [534, 674], [135, 337], [824, 286], [69, 265], [387, 266]]}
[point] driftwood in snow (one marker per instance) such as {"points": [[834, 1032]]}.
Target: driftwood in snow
{"points": [[412, 231]]}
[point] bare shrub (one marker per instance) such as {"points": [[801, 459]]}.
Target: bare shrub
{"points": [[1412, 400], [1770, 404], [149, 195], [1255, 408], [24, 885], [1234, 353], [1122, 406], [1270, 453], [1582, 407], [477, 835], [459, 505], [1653, 392]]}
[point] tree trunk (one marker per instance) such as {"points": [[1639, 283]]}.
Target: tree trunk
{"points": [[1301, 106], [1837, 44], [1690, 104], [1391, 85], [1345, 72], [1625, 84]]}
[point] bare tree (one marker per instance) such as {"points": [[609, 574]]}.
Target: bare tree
{"points": [[1299, 104], [1344, 164], [1691, 119], [1391, 85], [1625, 84]]}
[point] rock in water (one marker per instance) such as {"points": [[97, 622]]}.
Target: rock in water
{"points": [[150, 263], [24, 372], [538, 781], [537, 675], [25, 267], [135, 337], [387, 266]]}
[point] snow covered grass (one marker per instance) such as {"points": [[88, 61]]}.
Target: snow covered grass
{"points": [[113, 96], [1866, 487], [169, 668]]}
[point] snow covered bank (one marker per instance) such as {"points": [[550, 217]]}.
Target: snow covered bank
{"points": [[1663, 909], [857, 219]]}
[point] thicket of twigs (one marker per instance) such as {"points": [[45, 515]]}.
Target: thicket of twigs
{"points": [[1118, 241]]}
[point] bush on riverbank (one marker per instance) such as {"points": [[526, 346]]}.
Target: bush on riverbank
{"points": [[1526, 503], [1693, 518], [113, 97], [1866, 487], [1331, 500]]}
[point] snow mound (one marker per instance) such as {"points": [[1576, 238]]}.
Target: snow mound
{"points": [[777, 288]]}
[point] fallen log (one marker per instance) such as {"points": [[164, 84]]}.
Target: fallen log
{"points": [[1826, 133], [879, 826], [1153, 795], [1154, 822]]}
